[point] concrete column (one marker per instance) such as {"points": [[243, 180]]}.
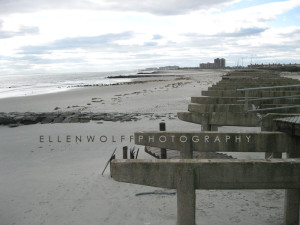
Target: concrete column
{"points": [[292, 198], [186, 197], [268, 125], [187, 152], [291, 207], [205, 127], [213, 128]]}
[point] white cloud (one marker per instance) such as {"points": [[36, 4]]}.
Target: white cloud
{"points": [[177, 32], [157, 7]]}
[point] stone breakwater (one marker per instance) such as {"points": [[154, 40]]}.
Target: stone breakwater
{"points": [[15, 119], [26, 118]]}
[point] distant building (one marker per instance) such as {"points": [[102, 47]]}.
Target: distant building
{"points": [[217, 64], [169, 68], [151, 68]]}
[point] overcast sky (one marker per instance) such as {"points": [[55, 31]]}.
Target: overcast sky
{"points": [[43, 36]]}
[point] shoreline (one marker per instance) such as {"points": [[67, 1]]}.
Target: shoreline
{"points": [[50, 178], [161, 93]]}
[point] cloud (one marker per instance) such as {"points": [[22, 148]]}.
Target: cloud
{"points": [[150, 44], [157, 7], [87, 43], [243, 32], [23, 30], [167, 7], [25, 6], [157, 37], [220, 37], [43, 60]]}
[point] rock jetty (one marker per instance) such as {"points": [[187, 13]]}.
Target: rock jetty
{"points": [[25, 118]]}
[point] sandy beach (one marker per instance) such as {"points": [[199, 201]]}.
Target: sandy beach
{"points": [[57, 180]]}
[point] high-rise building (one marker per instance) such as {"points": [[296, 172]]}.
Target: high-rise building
{"points": [[217, 64]]}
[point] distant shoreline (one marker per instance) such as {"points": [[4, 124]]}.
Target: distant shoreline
{"points": [[139, 75]]}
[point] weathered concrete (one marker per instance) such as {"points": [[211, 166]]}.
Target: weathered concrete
{"points": [[234, 100], [186, 197], [221, 119], [204, 108], [290, 125], [212, 141], [273, 82], [239, 108], [211, 173], [268, 123], [278, 80], [186, 175], [235, 87], [292, 197], [215, 100], [255, 94]]}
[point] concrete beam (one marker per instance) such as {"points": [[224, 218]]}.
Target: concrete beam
{"points": [[213, 141], [258, 94], [204, 108], [259, 81], [237, 108], [198, 118], [215, 100], [211, 173], [221, 119], [234, 87], [233, 100]]}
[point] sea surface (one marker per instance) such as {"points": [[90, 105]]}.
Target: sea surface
{"points": [[36, 84]]}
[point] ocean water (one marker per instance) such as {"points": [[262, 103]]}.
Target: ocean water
{"points": [[25, 85]]}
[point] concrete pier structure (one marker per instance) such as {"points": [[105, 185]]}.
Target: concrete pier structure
{"points": [[186, 175], [221, 107]]}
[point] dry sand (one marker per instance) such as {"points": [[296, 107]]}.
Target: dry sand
{"points": [[59, 183]]}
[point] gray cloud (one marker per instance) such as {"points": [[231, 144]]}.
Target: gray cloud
{"points": [[25, 6], [158, 7], [250, 31], [23, 30], [89, 43], [243, 32], [167, 7]]}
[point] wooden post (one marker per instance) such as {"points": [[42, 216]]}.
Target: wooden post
{"points": [[163, 151], [112, 158], [125, 149]]}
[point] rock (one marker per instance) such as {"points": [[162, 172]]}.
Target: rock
{"points": [[13, 125], [97, 117], [59, 119], [5, 120], [47, 120], [27, 120], [84, 119], [71, 119]]}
